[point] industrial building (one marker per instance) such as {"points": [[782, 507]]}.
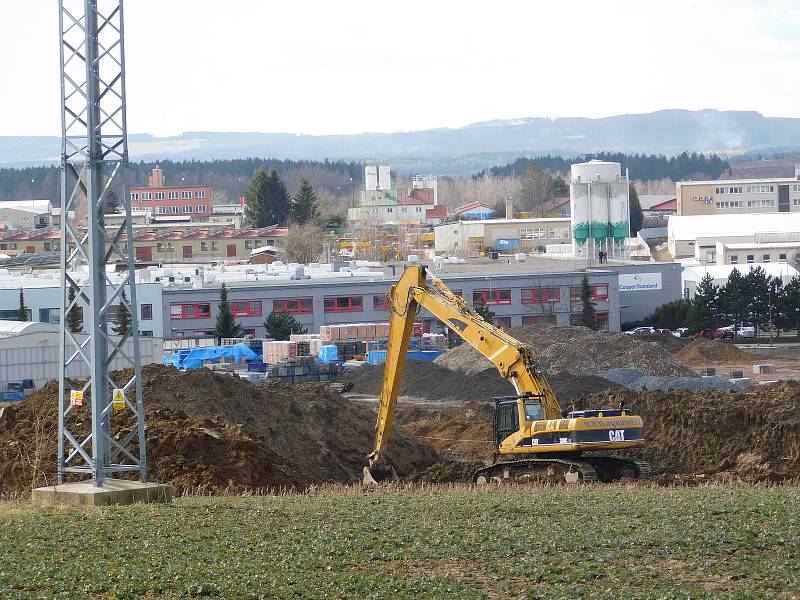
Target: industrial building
{"points": [[194, 201], [692, 275], [25, 214], [738, 196], [379, 204], [29, 351], [502, 234], [735, 239]]}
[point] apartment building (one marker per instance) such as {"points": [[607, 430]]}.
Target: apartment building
{"points": [[738, 196], [194, 201]]}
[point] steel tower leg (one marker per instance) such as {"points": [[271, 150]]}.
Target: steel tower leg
{"points": [[93, 166]]}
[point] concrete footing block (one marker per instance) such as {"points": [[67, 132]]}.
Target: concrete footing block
{"points": [[113, 491]]}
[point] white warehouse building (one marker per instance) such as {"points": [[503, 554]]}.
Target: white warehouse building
{"points": [[735, 239], [502, 234]]}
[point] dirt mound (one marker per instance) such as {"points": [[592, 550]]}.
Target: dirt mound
{"points": [[577, 350], [752, 435], [702, 351], [458, 432], [215, 432]]}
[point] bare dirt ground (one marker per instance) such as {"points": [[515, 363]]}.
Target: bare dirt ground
{"points": [[726, 358]]}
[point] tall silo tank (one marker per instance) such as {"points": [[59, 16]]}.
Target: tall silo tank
{"points": [[595, 170], [619, 214], [384, 177], [370, 177], [579, 199], [599, 207]]}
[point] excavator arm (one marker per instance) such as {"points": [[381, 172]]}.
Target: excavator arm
{"points": [[515, 361]]}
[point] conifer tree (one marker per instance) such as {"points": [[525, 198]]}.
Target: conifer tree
{"points": [[281, 325], [22, 311], [704, 307], [122, 318], [74, 315], [254, 199], [587, 308], [226, 326], [304, 204], [277, 203]]}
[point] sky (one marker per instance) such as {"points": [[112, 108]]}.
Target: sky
{"points": [[317, 67]]}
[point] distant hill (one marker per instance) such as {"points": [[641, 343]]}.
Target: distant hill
{"points": [[466, 149]]}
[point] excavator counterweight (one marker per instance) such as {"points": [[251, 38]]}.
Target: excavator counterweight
{"points": [[534, 439]]}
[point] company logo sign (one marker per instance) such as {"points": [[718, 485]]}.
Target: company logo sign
{"points": [[639, 282]]}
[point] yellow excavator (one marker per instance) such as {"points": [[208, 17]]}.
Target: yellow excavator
{"points": [[534, 440]]}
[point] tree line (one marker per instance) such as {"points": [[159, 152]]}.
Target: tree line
{"points": [[756, 298], [642, 166]]}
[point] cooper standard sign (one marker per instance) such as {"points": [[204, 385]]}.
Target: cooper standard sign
{"points": [[639, 282]]}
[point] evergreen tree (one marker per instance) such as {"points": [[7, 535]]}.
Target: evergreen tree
{"points": [[255, 198], [790, 301], [635, 209], [277, 203], [776, 305], [75, 314], [281, 325], [484, 311], [587, 308], [756, 287], [226, 326], [733, 299], [304, 204], [122, 318], [703, 309], [22, 311]]}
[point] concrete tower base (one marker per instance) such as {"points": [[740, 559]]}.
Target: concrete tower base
{"points": [[113, 491]]}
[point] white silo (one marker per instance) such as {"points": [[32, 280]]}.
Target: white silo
{"points": [[581, 216], [596, 170], [598, 195], [598, 183], [384, 177], [370, 177], [619, 215]]}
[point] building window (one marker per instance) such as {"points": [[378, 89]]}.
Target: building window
{"points": [[203, 246], [159, 195], [733, 259], [11, 315], [293, 306], [532, 233], [146, 333], [146, 311], [782, 257], [200, 194], [532, 320], [491, 297], [147, 195], [161, 210], [601, 320], [380, 302], [736, 189], [337, 304], [173, 210], [248, 244], [190, 311], [249, 332], [600, 292], [504, 322], [186, 195], [765, 257], [388, 209], [247, 308], [187, 208], [575, 294], [551, 233], [537, 295], [719, 190], [199, 208], [751, 258], [760, 189], [51, 315], [173, 195], [134, 195]]}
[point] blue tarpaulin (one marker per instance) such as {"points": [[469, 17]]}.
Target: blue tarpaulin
{"points": [[195, 358]]}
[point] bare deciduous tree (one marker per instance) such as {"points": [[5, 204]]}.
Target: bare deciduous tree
{"points": [[303, 243]]}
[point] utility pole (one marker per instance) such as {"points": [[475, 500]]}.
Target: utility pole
{"points": [[94, 161]]}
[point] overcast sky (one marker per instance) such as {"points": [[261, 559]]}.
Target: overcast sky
{"points": [[352, 66]]}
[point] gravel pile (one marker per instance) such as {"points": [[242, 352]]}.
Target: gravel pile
{"points": [[634, 379], [578, 350]]}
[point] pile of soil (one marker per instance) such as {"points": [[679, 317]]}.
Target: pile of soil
{"points": [[434, 382], [455, 432], [577, 350], [703, 351], [215, 432]]}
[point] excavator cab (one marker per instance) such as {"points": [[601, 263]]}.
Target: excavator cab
{"points": [[507, 411]]}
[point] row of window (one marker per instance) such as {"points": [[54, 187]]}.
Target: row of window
{"points": [[185, 209], [730, 204], [541, 233], [733, 189], [175, 195], [760, 189], [734, 258], [340, 304], [763, 203], [403, 209]]}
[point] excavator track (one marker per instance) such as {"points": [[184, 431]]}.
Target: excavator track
{"points": [[612, 468], [537, 470]]}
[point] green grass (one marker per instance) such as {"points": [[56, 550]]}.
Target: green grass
{"points": [[606, 542]]}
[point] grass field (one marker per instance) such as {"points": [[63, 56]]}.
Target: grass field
{"points": [[607, 542]]}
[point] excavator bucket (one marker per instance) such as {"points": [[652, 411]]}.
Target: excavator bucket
{"points": [[379, 475]]}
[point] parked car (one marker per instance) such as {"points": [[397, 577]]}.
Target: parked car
{"points": [[638, 330], [664, 331], [735, 332], [681, 332]]}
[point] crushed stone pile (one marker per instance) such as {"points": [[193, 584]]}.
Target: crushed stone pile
{"points": [[212, 432], [634, 379], [435, 382], [577, 350], [703, 351]]}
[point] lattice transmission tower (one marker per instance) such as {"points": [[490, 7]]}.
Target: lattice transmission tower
{"points": [[93, 170]]}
